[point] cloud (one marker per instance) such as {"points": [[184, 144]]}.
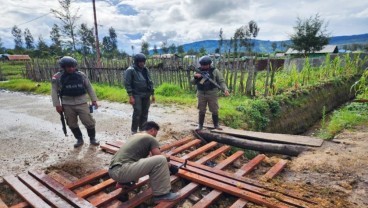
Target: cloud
{"points": [[184, 21]]}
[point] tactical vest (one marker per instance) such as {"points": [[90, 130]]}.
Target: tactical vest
{"points": [[72, 84], [207, 85]]}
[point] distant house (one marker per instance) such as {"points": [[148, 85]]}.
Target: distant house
{"points": [[7, 57], [165, 56], [327, 49]]}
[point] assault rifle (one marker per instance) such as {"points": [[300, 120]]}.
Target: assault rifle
{"points": [[206, 76], [62, 119]]}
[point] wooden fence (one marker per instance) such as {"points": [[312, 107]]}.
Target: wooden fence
{"points": [[173, 71]]}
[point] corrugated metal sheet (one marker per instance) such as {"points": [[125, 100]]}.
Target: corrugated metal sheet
{"points": [[325, 49], [18, 57]]}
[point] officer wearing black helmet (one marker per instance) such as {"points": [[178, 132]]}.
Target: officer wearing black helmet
{"points": [[69, 95], [139, 86], [207, 91]]}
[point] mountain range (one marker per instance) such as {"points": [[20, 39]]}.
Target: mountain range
{"points": [[265, 46]]}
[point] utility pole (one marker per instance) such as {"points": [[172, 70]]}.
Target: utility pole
{"points": [[97, 41]]}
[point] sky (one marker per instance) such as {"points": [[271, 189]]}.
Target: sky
{"points": [[183, 21]]}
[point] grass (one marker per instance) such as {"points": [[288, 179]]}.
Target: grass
{"points": [[12, 70], [347, 117]]}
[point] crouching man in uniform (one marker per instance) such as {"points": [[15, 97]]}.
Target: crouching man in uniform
{"points": [[131, 162], [69, 95]]}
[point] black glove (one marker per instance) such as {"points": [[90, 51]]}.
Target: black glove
{"points": [[173, 169]]}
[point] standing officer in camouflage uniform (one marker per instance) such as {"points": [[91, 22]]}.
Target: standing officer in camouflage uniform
{"points": [[72, 86], [131, 162], [207, 91], [139, 87]]}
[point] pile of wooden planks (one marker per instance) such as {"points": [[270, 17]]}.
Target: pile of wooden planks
{"points": [[97, 190]]}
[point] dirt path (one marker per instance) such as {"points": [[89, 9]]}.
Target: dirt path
{"points": [[31, 136]]}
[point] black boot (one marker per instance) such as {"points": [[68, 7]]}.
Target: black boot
{"points": [[215, 120], [78, 135], [92, 136], [200, 121]]}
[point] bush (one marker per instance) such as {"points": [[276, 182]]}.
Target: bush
{"points": [[168, 90]]}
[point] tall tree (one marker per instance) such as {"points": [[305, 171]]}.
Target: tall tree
{"points": [[274, 46], [172, 48], [109, 44], [2, 49], [181, 49], [28, 39], [55, 48], [113, 37], [145, 47], [68, 19], [202, 51], [42, 50], [310, 35], [221, 40], [17, 33], [164, 47], [87, 39], [155, 50]]}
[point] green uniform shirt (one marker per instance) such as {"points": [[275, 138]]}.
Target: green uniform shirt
{"points": [[138, 146]]}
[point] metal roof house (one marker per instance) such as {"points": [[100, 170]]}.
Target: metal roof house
{"points": [[7, 57], [325, 50]]}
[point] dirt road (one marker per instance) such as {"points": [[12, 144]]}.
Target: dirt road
{"points": [[31, 136]]}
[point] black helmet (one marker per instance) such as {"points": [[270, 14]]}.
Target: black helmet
{"points": [[205, 60], [67, 61], [139, 57]]}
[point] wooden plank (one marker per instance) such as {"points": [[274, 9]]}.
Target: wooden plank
{"points": [[238, 182], [87, 179], [59, 178], [46, 194], [208, 199], [200, 150], [62, 191], [116, 143], [184, 193], [143, 196], [21, 205], [97, 188], [213, 154], [240, 203], [276, 169], [2, 204], [223, 164], [119, 143], [269, 137], [249, 166], [108, 148], [102, 200], [214, 194], [26, 193], [184, 147], [191, 187], [175, 144], [233, 190]]}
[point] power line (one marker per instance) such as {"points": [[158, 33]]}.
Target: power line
{"points": [[33, 19]]}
